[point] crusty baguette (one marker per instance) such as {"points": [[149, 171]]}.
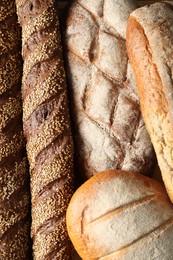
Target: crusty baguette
{"points": [[109, 129], [47, 128], [14, 174], [150, 49], [119, 215]]}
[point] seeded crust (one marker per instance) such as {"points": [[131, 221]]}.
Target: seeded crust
{"points": [[109, 128], [47, 128], [150, 49], [118, 215], [14, 175]]}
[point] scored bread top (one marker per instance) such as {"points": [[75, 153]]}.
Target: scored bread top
{"points": [[121, 215], [108, 125], [150, 49]]}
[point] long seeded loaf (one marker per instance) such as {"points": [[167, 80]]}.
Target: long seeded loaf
{"points": [[47, 128], [14, 175]]}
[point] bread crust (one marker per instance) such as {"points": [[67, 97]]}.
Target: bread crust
{"points": [[119, 215], [152, 64], [109, 129], [47, 128], [14, 175]]}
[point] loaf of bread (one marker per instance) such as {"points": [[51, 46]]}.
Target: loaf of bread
{"points": [[14, 174], [121, 215], [109, 129], [150, 49], [47, 128]]}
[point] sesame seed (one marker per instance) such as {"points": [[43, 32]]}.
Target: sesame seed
{"points": [[47, 129]]}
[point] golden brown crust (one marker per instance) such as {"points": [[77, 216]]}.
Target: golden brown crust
{"points": [[14, 177], [47, 128], [119, 215], [152, 68]]}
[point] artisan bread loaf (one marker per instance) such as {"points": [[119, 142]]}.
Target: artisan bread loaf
{"points": [[47, 128], [150, 49], [121, 215], [14, 175], [108, 126]]}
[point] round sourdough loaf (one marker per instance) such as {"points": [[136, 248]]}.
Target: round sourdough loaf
{"points": [[150, 49], [121, 215]]}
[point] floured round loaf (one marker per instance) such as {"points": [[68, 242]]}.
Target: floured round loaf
{"points": [[108, 126], [150, 49], [121, 215]]}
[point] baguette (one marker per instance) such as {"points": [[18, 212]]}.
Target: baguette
{"points": [[108, 127], [150, 49], [119, 215], [47, 128], [14, 174]]}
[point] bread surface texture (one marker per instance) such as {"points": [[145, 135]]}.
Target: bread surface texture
{"points": [[14, 174], [150, 49], [47, 128], [109, 129], [121, 215]]}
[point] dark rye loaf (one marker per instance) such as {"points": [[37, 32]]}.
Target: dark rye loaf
{"points": [[110, 132], [47, 128], [14, 175]]}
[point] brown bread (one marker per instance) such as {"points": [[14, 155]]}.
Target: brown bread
{"points": [[47, 128], [110, 132], [14, 175], [119, 215], [150, 49]]}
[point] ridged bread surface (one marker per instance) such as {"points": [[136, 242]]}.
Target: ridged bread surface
{"points": [[109, 129], [47, 128]]}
